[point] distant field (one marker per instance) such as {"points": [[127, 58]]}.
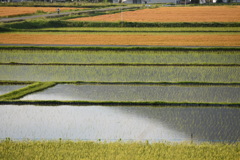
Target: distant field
{"points": [[174, 14], [15, 11], [130, 57], [200, 39]]}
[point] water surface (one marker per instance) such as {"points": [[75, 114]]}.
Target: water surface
{"points": [[8, 88], [113, 123], [139, 93], [120, 74]]}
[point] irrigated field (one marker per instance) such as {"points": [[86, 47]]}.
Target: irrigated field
{"points": [[119, 57], [16, 11], [147, 92], [166, 39], [174, 14], [213, 94], [120, 73]]}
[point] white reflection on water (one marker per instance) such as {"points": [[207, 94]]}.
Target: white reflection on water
{"points": [[86, 123]]}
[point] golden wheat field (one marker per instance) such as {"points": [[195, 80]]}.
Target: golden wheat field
{"points": [[14, 11], [124, 39], [174, 14]]}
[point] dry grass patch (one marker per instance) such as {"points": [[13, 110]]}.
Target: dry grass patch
{"points": [[15, 11], [115, 39], [174, 14]]}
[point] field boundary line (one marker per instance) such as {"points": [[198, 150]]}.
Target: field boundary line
{"points": [[16, 94], [6, 82], [122, 64], [116, 103], [117, 47]]}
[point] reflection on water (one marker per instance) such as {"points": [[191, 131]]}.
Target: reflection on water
{"points": [[113, 123], [139, 93], [206, 124], [8, 88]]}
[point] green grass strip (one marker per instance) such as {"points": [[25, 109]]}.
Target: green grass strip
{"points": [[38, 86], [117, 48], [2, 82], [116, 103], [37, 24]]}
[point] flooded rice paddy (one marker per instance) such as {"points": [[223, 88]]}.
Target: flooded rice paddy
{"points": [[120, 74], [180, 57], [8, 88], [104, 92], [114, 123]]}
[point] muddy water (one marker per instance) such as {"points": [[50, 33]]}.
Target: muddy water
{"points": [[114, 123], [139, 93]]}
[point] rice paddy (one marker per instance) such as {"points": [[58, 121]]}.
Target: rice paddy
{"points": [[173, 14], [119, 57], [204, 39], [134, 93], [155, 124], [122, 103], [117, 150], [7, 88], [16, 11], [120, 74]]}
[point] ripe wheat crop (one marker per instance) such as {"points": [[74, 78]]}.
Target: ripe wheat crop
{"points": [[125, 39], [15, 11], [174, 14]]}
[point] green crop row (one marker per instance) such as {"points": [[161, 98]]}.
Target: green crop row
{"points": [[38, 86], [119, 57], [36, 24], [116, 150], [145, 29]]}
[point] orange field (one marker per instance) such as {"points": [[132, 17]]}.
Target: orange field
{"points": [[14, 11], [101, 39], [174, 14]]}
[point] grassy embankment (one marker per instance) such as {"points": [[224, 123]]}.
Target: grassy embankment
{"points": [[38, 86], [116, 150]]}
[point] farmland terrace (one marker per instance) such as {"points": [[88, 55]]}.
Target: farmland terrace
{"points": [[133, 80]]}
